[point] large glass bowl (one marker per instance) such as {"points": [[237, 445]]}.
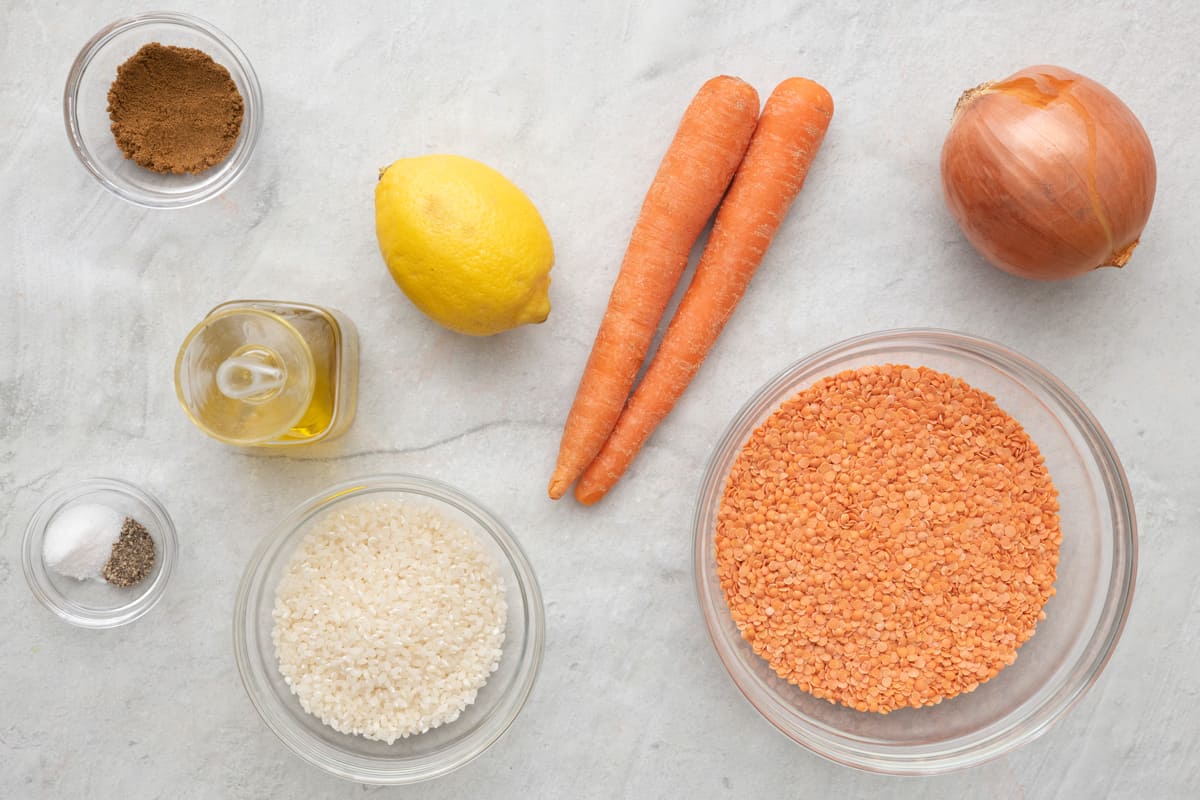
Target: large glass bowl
{"points": [[85, 109], [440, 750], [1084, 618]]}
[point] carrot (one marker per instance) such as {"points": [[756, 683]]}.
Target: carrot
{"points": [[792, 126], [706, 150]]}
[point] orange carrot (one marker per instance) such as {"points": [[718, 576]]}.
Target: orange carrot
{"points": [[694, 174], [792, 126]]}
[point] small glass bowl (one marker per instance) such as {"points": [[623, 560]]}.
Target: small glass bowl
{"points": [[97, 603], [85, 109], [1094, 586], [437, 751]]}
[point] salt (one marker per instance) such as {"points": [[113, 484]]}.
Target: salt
{"points": [[79, 540]]}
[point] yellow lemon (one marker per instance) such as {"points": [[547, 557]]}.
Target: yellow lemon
{"points": [[466, 245]]}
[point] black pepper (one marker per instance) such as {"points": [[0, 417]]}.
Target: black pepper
{"points": [[132, 555]]}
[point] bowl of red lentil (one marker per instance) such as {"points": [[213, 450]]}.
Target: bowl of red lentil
{"points": [[914, 551]]}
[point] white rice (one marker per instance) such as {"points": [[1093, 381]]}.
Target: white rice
{"points": [[388, 620]]}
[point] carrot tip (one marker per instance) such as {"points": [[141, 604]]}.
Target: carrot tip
{"points": [[588, 496], [558, 487]]}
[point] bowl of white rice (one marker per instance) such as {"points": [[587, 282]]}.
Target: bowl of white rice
{"points": [[389, 630]]}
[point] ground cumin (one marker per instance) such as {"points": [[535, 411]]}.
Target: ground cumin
{"points": [[888, 538], [174, 109]]}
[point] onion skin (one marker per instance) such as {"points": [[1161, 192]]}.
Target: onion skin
{"points": [[1048, 174]]}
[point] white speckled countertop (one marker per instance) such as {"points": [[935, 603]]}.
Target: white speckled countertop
{"points": [[576, 103]]}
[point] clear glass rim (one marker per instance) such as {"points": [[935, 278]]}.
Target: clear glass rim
{"points": [[912, 759], [63, 607], [330, 316], [310, 366], [366, 769], [231, 169]]}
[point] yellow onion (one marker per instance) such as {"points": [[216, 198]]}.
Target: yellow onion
{"points": [[1048, 174]]}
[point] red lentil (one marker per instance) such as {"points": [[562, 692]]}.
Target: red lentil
{"points": [[888, 538]]}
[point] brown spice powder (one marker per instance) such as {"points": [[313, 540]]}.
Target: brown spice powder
{"points": [[888, 538], [132, 557], [174, 109]]}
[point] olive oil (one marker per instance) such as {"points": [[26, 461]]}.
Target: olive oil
{"points": [[265, 373]]}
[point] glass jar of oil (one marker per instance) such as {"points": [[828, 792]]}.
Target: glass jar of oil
{"points": [[267, 373]]}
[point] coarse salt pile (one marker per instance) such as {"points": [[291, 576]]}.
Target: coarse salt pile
{"points": [[79, 540], [388, 620]]}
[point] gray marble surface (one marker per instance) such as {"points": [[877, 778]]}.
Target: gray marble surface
{"points": [[576, 102]]}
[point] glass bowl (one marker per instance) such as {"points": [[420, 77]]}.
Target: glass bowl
{"points": [[97, 603], [1084, 618], [439, 750], [85, 109]]}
